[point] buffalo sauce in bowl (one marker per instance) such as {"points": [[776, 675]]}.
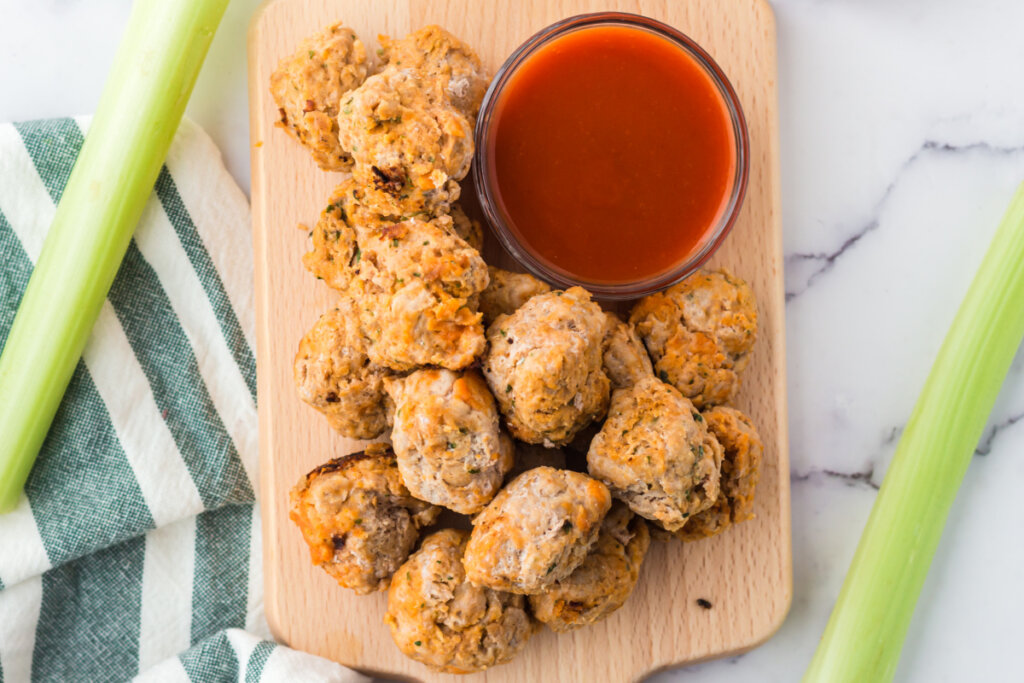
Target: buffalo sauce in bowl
{"points": [[612, 154]]}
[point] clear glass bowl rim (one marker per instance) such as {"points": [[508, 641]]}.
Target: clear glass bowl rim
{"points": [[489, 204]]}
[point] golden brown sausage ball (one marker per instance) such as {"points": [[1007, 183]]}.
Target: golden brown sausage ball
{"points": [[536, 531], [699, 334], [439, 618], [308, 86], [545, 366], [741, 465], [448, 439], [334, 375], [337, 254], [445, 64], [396, 253], [417, 291], [358, 518], [507, 292], [604, 581], [404, 144], [655, 455]]}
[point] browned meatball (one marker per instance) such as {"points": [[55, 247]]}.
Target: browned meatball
{"points": [[741, 465], [414, 280], [469, 229], [333, 256], [699, 334], [439, 618], [410, 148], [395, 253], [544, 366], [447, 437], [336, 257], [445, 64], [604, 581], [415, 326], [358, 518], [625, 359], [308, 86], [417, 290], [507, 292], [536, 531], [334, 375], [655, 455]]}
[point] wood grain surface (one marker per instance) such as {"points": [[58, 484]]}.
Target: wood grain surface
{"points": [[745, 573]]}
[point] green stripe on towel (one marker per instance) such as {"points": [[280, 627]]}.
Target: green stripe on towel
{"points": [[88, 626], [53, 145], [170, 365], [101, 502], [13, 276], [211, 661], [257, 660], [190, 239], [220, 587]]}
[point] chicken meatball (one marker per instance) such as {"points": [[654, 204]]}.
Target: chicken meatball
{"points": [[418, 289], [358, 518], [439, 618], [625, 359], [349, 217], [445, 63], [308, 86], [416, 283], [334, 375], [544, 366], [414, 325], [447, 437], [741, 464], [469, 229], [395, 253], [507, 292], [604, 581], [655, 455], [536, 531], [409, 147], [699, 334], [333, 256]]}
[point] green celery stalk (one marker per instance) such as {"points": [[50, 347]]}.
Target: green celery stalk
{"points": [[865, 633], [154, 70]]}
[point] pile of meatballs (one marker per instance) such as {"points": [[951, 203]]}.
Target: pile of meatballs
{"points": [[489, 383]]}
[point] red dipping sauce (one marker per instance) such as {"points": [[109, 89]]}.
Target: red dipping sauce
{"points": [[611, 155]]}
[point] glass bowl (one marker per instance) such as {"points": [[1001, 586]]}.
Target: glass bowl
{"points": [[483, 164]]}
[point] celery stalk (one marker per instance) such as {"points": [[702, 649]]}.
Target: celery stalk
{"points": [[865, 633], [154, 70]]}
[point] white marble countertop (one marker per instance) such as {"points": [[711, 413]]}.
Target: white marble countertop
{"points": [[902, 141]]}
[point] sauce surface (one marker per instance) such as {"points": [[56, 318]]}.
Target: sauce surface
{"points": [[612, 154]]}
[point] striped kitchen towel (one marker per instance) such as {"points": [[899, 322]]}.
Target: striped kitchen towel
{"points": [[136, 545]]}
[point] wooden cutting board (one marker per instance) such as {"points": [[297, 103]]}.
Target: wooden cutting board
{"points": [[745, 574]]}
